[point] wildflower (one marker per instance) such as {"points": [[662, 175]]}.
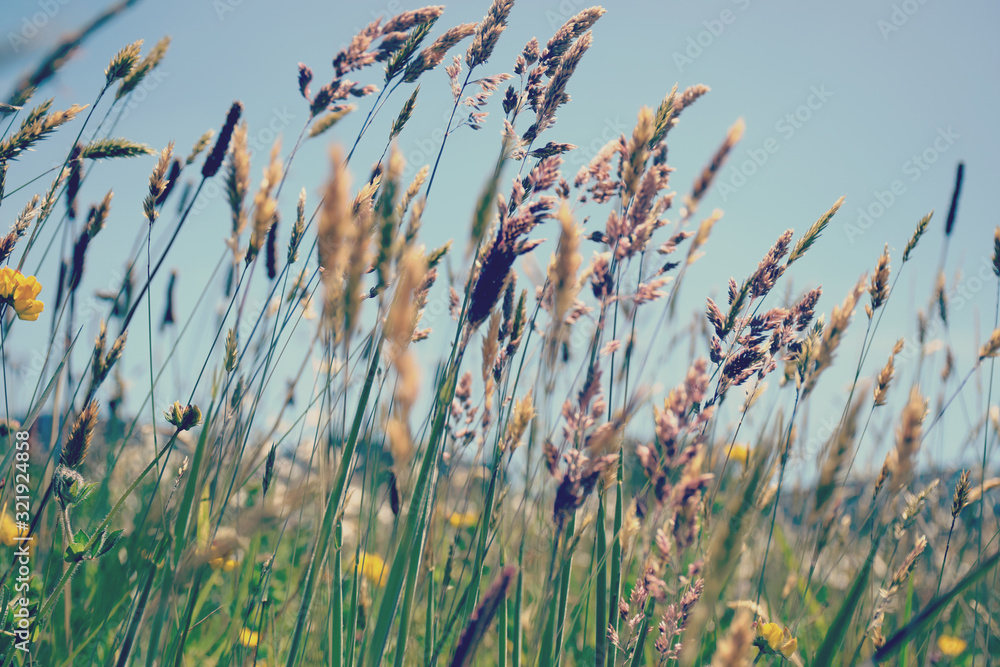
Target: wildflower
{"points": [[740, 452], [11, 536], [184, 418], [249, 638], [223, 563], [373, 569], [8, 530], [950, 646], [19, 291], [774, 639], [463, 520]]}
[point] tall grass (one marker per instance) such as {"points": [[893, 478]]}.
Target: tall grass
{"points": [[323, 492]]}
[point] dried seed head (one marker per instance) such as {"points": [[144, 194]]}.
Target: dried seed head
{"points": [[80, 436], [432, 56], [435, 256], [214, 160], [883, 475], [157, 183], [708, 174], [200, 145], [232, 347], [74, 180], [20, 226], [770, 268], [830, 339], [123, 63], [298, 229], [961, 498], [168, 310], [238, 178], [488, 32], [638, 152], [518, 324], [411, 192], [491, 345], [908, 438], [271, 247], [402, 314], [523, 413], [554, 94], [991, 347], [810, 236], [996, 251], [335, 236], [97, 359], [264, 205], [114, 354], [140, 70], [917, 233], [941, 296], [114, 147], [404, 114], [902, 573], [884, 379], [949, 224], [878, 287], [268, 470], [565, 265]]}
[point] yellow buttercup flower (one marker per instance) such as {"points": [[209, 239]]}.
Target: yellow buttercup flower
{"points": [[950, 646], [9, 533], [463, 519], [249, 638], [8, 530], [776, 640], [20, 292], [372, 568], [223, 563], [740, 452]]}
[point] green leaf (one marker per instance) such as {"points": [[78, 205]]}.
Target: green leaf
{"points": [[75, 552], [109, 542], [832, 643], [918, 625]]}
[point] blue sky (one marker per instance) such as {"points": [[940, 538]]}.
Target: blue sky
{"points": [[877, 101]]}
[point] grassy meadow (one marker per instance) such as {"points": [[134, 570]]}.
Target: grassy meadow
{"points": [[324, 490]]}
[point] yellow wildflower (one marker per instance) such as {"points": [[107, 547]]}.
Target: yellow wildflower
{"points": [[373, 569], [9, 533], [463, 519], [776, 640], [249, 637], [740, 452], [223, 563], [19, 291], [8, 530], [950, 646]]}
